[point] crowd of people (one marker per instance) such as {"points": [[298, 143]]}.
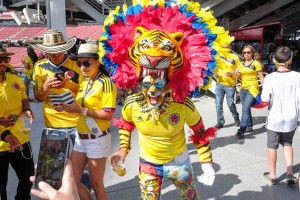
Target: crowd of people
{"points": [[164, 153]]}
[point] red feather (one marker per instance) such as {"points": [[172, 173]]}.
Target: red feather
{"points": [[122, 124], [209, 133]]}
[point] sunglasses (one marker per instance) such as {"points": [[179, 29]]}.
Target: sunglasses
{"points": [[247, 52], [5, 59], [85, 63], [157, 85]]}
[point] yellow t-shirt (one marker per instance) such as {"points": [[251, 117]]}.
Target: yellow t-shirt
{"points": [[29, 70], [160, 141], [227, 64], [12, 92], [10, 69], [44, 69], [100, 95], [249, 74]]}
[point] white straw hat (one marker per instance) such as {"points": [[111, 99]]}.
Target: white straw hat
{"points": [[88, 50], [54, 42]]}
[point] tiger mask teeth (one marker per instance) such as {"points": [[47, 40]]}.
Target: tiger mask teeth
{"points": [[155, 72]]}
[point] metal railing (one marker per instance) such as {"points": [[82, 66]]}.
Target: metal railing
{"points": [[103, 6]]}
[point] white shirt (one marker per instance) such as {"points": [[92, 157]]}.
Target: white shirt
{"points": [[282, 89]]}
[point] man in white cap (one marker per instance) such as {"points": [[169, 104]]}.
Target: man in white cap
{"points": [[56, 75]]}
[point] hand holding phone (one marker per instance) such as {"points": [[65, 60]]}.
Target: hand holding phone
{"points": [[54, 149], [59, 75], [67, 191]]}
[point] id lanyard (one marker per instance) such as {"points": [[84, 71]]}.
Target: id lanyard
{"points": [[88, 88]]}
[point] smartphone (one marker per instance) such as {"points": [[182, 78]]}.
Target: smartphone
{"points": [[14, 117], [54, 149], [57, 75]]}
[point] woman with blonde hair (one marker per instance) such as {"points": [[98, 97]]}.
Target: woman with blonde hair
{"points": [[248, 72]]}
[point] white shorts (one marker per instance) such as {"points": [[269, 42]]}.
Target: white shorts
{"points": [[94, 148]]}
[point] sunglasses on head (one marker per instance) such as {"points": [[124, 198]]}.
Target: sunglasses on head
{"points": [[5, 59], [85, 63], [247, 52]]}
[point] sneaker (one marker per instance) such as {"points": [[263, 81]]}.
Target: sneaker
{"points": [[219, 125], [239, 135], [237, 121], [249, 130], [269, 180], [290, 179]]}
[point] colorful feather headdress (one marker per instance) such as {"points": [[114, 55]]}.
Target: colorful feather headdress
{"points": [[202, 41]]}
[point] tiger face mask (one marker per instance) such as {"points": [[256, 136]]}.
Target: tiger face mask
{"points": [[156, 51], [154, 89]]}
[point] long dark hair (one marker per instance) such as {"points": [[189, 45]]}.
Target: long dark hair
{"points": [[32, 55], [103, 70]]}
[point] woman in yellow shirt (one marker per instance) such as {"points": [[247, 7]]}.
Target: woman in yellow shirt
{"points": [[96, 103], [248, 72], [29, 63]]}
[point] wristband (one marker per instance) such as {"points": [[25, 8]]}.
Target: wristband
{"points": [[4, 134], [84, 111]]}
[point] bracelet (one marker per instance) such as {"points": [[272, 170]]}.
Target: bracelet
{"points": [[84, 111], [126, 149], [4, 134]]}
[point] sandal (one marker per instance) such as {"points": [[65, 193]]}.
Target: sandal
{"points": [[290, 179], [267, 177]]}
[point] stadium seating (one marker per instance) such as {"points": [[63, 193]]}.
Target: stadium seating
{"points": [[19, 33]]}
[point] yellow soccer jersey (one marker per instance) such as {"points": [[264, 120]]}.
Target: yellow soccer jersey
{"points": [[227, 64], [29, 70], [44, 69], [160, 141], [12, 92], [249, 74], [10, 69], [100, 95]]}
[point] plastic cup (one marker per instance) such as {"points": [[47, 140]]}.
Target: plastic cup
{"points": [[26, 125], [119, 168]]}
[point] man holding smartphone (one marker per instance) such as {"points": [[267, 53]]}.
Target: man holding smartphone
{"points": [[55, 75], [15, 146]]}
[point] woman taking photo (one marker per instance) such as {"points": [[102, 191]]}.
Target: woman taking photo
{"points": [[248, 72], [95, 102]]}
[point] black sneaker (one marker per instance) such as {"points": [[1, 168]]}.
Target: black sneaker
{"points": [[237, 121], [239, 135], [219, 125]]}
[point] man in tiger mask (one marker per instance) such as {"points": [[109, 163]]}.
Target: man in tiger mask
{"points": [[153, 49]]}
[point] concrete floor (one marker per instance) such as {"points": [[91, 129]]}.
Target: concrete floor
{"points": [[239, 164]]}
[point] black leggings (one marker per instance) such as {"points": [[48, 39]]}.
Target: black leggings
{"points": [[24, 168]]}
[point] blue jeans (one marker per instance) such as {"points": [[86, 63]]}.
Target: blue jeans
{"points": [[247, 100], [85, 176], [220, 91]]}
